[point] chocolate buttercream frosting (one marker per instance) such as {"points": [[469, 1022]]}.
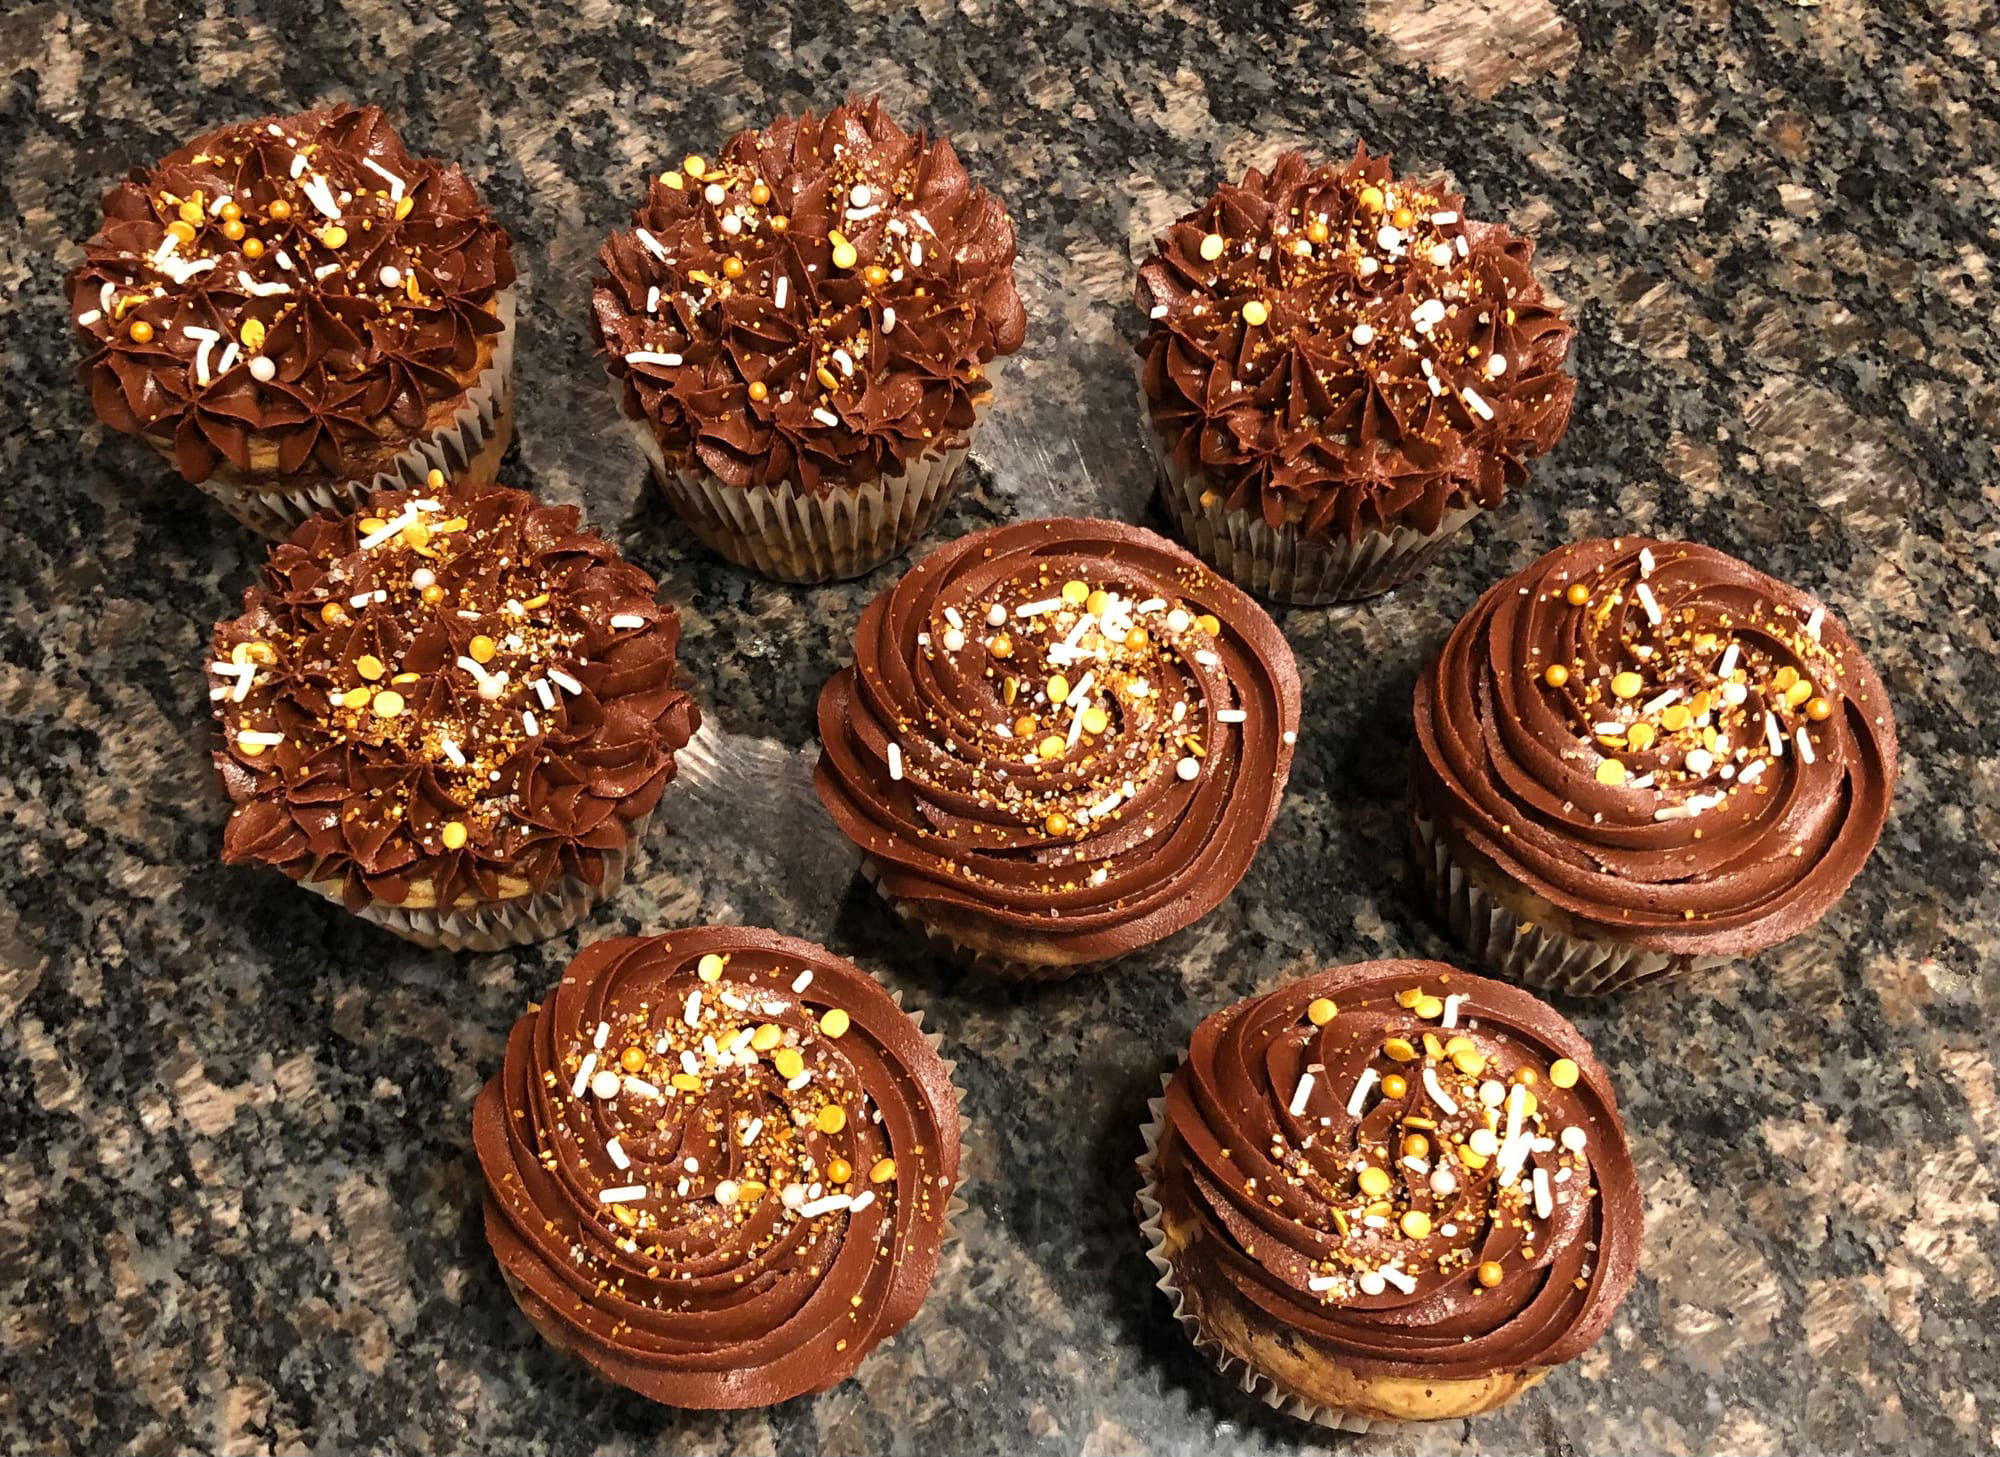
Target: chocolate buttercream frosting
{"points": [[462, 694], [301, 280], [1067, 728], [1343, 351], [1412, 1171], [719, 1165], [815, 306], [1661, 741]]}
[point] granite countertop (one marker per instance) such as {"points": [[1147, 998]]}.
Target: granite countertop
{"points": [[239, 1209]]}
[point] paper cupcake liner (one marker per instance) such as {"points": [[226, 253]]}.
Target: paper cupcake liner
{"points": [[803, 536], [1529, 953], [468, 446], [1242, 1374], [1281, 564], [972, 958], [568, 1341], [495, 925]]}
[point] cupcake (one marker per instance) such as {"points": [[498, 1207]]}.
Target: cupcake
{"points": [[1641, 758], [453, 713], [1390, 1192], [297, 312], [803, 334], [1059, 741], [1341, 371], [719, 1165]]}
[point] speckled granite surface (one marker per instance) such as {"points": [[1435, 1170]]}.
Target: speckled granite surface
{"points": [[238, 1204]]}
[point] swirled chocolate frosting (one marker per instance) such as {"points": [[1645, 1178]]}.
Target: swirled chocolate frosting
{"points": [[1417, 1172], [463, 691], [815, 306], [1661, 741], [303, 281], [718, 1165], [1342, 351], [1068, 727]]}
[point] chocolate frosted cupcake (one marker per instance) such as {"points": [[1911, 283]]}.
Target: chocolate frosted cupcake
{"points": [[1638, 758], [803, 333], [454, 713], [1342, 370], [1059, 741], [719, 1165], [1390, 1192], [298, 312]]}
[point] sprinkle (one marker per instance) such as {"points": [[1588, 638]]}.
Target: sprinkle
{"points": [[1478, 406], [1751, 773], [644, 1089], [389, 530], [1301, 1093], [651, 356], [828, 1205], [1397, 1278], [548, 699], [261, 740], [624, 1194], [604, 1084], [1438, 1095], [1188, 768], [1036, 609], [825, 417], [1647, 601], [895, 761], [1159, 311], [1496, 365], [616, 1152], [781, 290], [653, 299], [1372, 1282], [1318, 1283], [321, 196], [888, 321], [1361, 1086], [1774, 736], [651, 244], [691, 1014], [627, 621], [802, 980], [1804, 743], [1574, 1138], [1814, 622], [1545, 1203], [1231, 715], [583, 1075], [1362, 335], [845, 360], [1451, 1006], [529, 722]]}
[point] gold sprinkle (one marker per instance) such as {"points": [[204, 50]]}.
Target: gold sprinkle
{"points": [[453, 836], [835, 1022]]}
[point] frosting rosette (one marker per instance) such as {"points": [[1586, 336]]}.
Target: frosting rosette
{"points": [[814, 307], [456, 697], [719, 1165], [294, 298], [1340, 351], [1392, 1191], [1652, 745], [1059, 741]]}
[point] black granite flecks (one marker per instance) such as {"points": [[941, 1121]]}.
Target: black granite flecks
{"points": [[238, 1205]]}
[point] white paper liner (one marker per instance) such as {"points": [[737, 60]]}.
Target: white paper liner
{"points": [[1530, 954], [496, 925], [559, 1336], [1246, 1377], [804, 536], [278, 511], [1282, 565], [972, 957]]}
